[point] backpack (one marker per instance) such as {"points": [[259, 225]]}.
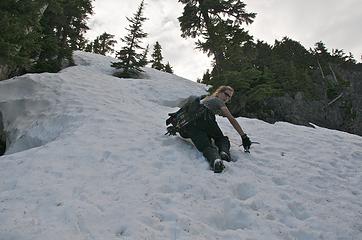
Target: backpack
{"points": [[187, 114]]}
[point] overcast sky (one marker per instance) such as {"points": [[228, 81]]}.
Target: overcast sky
{"points": [[336, 23]]}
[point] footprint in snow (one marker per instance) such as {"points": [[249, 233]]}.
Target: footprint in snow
{"points": [[231, 217], [279, 181], [298, 210], [244, 191]]}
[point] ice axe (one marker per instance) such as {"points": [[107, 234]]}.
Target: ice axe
{"points": [[247, 149]]}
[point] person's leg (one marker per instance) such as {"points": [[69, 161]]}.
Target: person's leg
{"points": [[221, 141], [203, 143], [223, 145]]}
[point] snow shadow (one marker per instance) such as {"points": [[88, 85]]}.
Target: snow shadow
{"points": [[27, 124], [2, 136]]}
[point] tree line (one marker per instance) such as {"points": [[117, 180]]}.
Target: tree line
{"points": [[255, 69], [39, 36]]}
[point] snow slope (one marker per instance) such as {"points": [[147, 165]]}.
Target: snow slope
{"points": [[87, 159]]}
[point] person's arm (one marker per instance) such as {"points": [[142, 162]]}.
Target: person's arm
{"points": [[233, 121], [245, 139]]}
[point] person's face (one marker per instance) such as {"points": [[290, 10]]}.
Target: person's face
{"points": [[226, 95]]}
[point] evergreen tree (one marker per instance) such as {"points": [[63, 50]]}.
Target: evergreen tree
{"points": [[206, 77], [214, 21], [292, 51], [19, 35], [350, 59], [96, 46], [321, 50], [104, 44], [168, 68], [130, 59], [157, 57], [263, 56], [63, 25], [89, 47], [144, 61]]}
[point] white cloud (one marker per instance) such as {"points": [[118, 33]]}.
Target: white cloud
{"points": [[309, 21]]}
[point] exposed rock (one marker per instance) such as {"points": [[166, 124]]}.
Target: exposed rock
{"points": [[343, 112]]}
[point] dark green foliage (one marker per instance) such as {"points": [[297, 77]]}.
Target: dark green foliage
{"points": [[103, 44], [168, 68], [144, 59], [130, 60], [292, 51], [19, 34], [39, 35], [157, 57], [258, 71], [131, 73], [89, 47], [63, 25], [349, 112], [216, 22], [206, 78]]}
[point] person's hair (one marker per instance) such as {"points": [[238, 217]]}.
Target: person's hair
{"points": [[222, 89]]}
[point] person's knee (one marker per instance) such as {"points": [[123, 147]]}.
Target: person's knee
{"points": [[223, 142]]}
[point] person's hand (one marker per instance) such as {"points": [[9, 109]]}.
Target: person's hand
{"points": [[246, 142]]}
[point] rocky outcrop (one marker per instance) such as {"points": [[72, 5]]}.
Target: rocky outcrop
{"points": [[342, 112]]}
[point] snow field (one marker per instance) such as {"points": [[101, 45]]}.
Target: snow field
{"points": [[89, 160]]}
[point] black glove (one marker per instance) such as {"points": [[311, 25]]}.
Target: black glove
{"points": [[246, 142], [171, 130]]}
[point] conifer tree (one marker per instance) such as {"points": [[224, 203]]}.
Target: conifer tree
{"points": [[104, 44], [130, 60], [168, 68], [63, 27], [89, 47], [214, 21], [157, 57], [144, 59], [96, 45], [206, 77], [19, 35]]}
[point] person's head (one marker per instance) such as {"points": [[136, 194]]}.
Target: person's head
{"points": [[224, 93]]}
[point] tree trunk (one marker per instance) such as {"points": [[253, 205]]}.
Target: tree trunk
{"points": [[334, 75], [4, 72], [320, 68], [218, 54]]}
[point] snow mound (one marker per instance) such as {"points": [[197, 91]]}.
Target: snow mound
{"points": [[29, 107]]}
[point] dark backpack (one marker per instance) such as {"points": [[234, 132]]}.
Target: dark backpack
{"points": [[187, 114]]}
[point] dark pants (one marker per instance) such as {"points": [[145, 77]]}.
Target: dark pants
{"points": [[202, 132]]}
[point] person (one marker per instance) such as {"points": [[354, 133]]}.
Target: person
{"points": [[204, 129]]}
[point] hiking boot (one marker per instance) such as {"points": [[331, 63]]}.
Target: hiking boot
{"points": [[218, 166], [224, 156]]}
